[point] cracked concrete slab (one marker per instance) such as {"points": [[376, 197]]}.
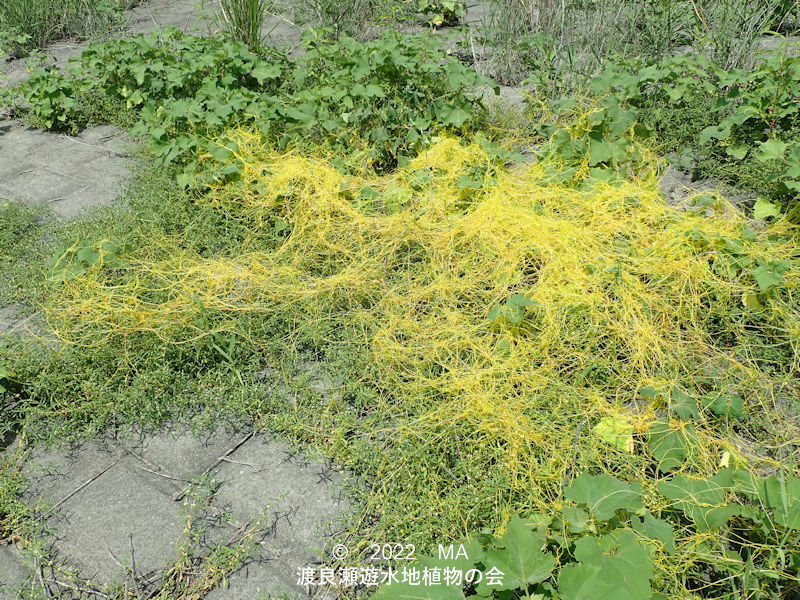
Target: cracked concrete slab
{"points": [[14, 572], [70, 174], [266, 473], [260, 579], [304, 498], [106, 496], [96, 527], [180, 452]]}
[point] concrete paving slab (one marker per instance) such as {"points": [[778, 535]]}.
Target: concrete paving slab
{"points": [[109, 137], [70, 174], [106, 492], [10, 170], [55, 473], [282, 32], [159, 14], [101, 498], [300, 497], [14, 572], [40, 186], [20, 141], [71, 155], [260, 579], [77, 202], [182, 454], [96, 526], [108, 172]]}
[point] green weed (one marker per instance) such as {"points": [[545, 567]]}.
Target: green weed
{"points": [[24, 234], [344, 17], [385, 96], [28, 24], [243, 20], [559, 43], [740, 126], [442, 13]]}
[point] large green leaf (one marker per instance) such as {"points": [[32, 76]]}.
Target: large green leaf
{"points": [[769, 275], [616, 431], [656, 529], [737, 152], [683, 405], [708, 133], [602, 150], [792, 185], [604, 495], [724, 405], [519, 301], [264, 70], [772, 149], [766, 278], [783, 496], [614, 566], [764, 208], [305, 114], [519, 557], [88, 256], [667, 445], [576, 519], [702, 500], [453, 115]]}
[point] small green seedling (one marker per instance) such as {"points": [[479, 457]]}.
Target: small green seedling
{"points": [[513, 309]]}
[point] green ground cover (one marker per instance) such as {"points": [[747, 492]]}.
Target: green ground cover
{"points": [[30, 24], [544, 357]]}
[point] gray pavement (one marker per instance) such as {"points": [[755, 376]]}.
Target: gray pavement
{"points": [[15, 572], [123, 512], [70, 174]]}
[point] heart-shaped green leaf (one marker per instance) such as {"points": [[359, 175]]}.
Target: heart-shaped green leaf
{"points": [[667, 445], [764, 208], [614, 566], [519, 557], [604, 495], [772, 149]]}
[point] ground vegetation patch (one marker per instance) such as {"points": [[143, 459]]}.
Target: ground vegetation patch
{"points": [[524, 346]]}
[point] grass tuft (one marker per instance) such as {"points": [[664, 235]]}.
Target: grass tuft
{"points": [[29, 24]]}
